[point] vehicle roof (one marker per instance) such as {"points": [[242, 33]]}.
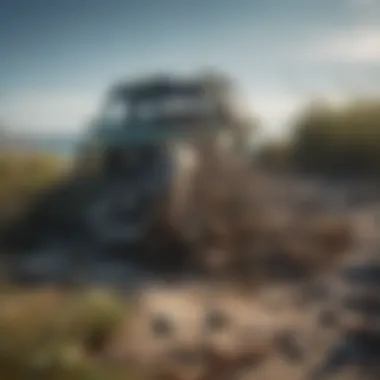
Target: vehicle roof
{"points": [[167, 85]]}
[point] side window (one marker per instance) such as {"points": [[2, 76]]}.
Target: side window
{"points": [[147, 111], [115, 112]]}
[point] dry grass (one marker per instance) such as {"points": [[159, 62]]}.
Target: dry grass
{"points": [[52, 334], [23, 176]]}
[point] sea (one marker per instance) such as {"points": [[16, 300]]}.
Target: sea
{"points": [[61, 145]]}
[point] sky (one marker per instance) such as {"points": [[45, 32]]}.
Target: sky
{"points": [[58, 57]]}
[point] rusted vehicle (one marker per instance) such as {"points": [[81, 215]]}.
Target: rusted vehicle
{"points": [[153, 138], [145, 155]]}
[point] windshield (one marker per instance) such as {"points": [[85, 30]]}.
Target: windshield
{"points": [[174, 108], [155, 118], [118, 110]]}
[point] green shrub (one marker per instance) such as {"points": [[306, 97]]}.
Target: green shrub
{"points": [[339, 140], [23, 175], [47, 334]]}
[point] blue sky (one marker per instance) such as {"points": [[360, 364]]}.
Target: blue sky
{"points": [[57, 57]]}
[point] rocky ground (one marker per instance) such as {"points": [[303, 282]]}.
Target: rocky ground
{"points": [[312, 312], [359, 202]]}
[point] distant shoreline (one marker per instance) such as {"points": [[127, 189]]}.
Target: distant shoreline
{"points": [[57, 145]]}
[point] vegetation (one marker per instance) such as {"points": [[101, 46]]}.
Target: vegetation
{"points": [[53, 335], [49, 334], [333, 140], [23, 175], [343, 140]]}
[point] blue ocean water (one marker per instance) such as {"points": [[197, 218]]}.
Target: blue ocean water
{"points": [[64, 146], [56, 144]]}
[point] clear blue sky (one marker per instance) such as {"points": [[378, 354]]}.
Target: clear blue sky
{"points": [[58, 56]]}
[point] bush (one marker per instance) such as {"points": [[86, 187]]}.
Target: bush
{"points": [[23, 175], [54, 335], [339, 140]]}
